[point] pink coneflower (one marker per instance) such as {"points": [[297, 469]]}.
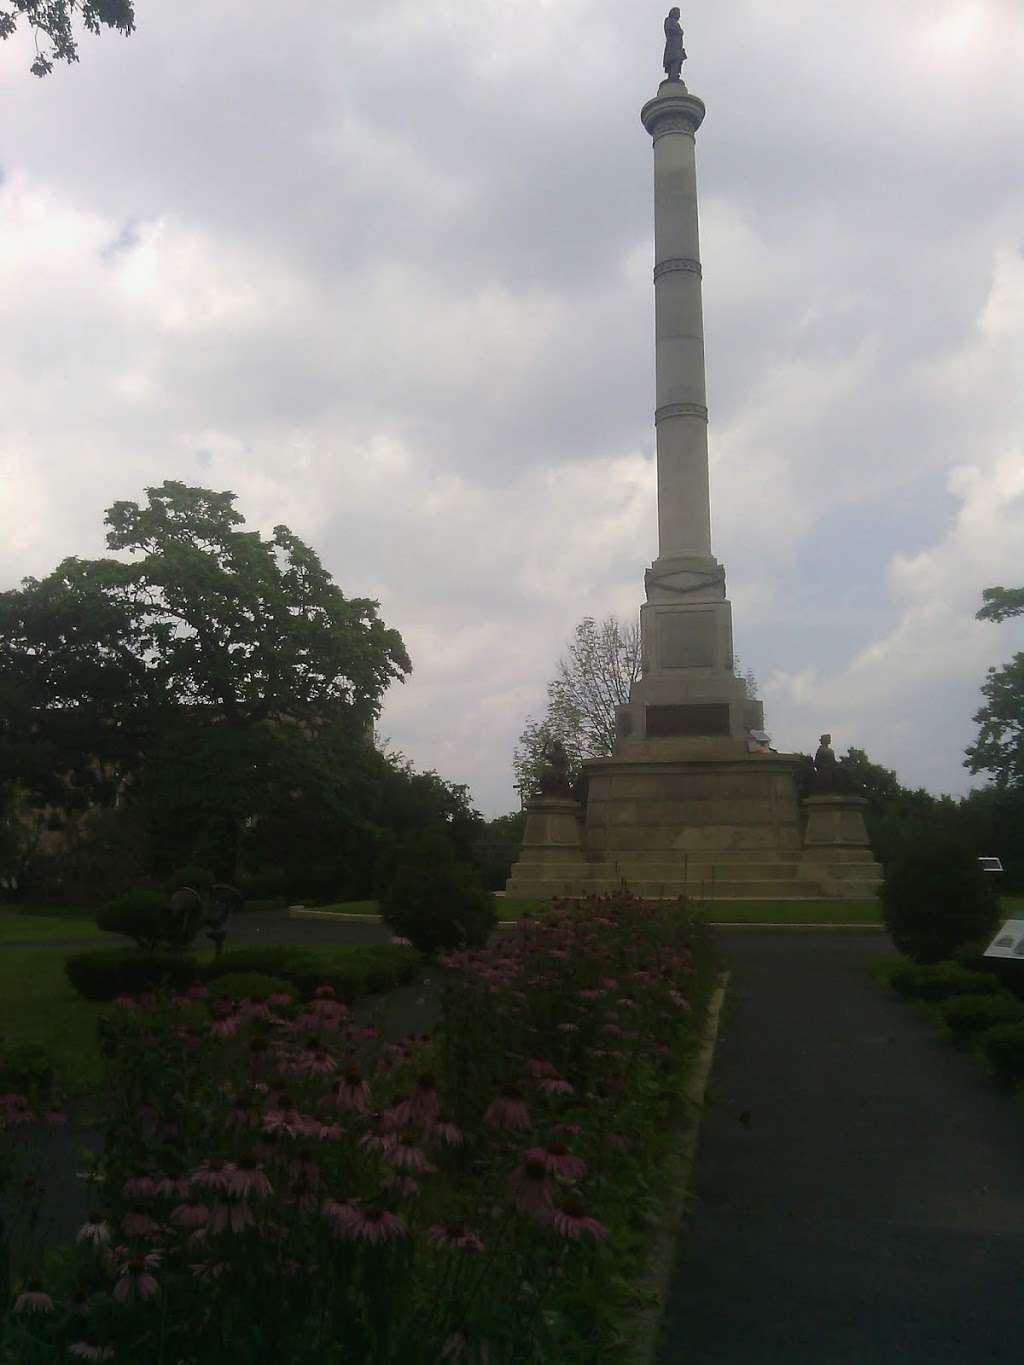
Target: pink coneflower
{"points": [[172, 1186], [89, 1350], [15, 1109], [508, 1111], [570, 1219], [280, 999], [246, 1179], [197, 992], [141, 1185], [374, 1225], [352, 1092], [377, 1140], [328, 1131], [303, 1167], [531, 1188], [558, 1160], [290, 1122], [135, 1279], [56, 1118], [568, 1028], [407, 1155], [190, 1216], [124, 1002], [324, 992], [445, 1132], [402, 1185], [400, 942], [211, 1174], [95, 1230], [316, 1062], [537, 1066], [137, 1223], [235, 1214], [338, 1213], [423, 1102], [680, 1001], [33, 1300], [453, 1237], [555, 1085]]}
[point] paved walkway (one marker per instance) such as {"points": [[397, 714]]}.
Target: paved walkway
{"points": [[858, 1197]]}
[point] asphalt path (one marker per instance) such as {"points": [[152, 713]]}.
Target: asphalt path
{"points": [[858, 1195]]}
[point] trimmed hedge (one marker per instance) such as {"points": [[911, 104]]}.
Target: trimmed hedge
{"points": [[939, 980], [251, 986], [368, 968], [106, 973], [137, 915], [439, 906], [970, 1014], [1004, 1048], [935, 898]]}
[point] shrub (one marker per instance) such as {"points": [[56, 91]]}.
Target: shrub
{"points": [[370, 968], [968, 1014], [935, 898], [439, 906], [269, 960], [109, 972], [1004, 1048], [197, 878], [137, 914], [251, 985], [25, 1067], [939, 980]]}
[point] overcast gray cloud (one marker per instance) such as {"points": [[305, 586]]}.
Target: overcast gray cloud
{"points": [[385, 272]]}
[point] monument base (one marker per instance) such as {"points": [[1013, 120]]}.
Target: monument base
{"points": [[698, 817], [837, 852]]}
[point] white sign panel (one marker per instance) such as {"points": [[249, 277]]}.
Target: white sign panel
{"points": [[1009, 942]]}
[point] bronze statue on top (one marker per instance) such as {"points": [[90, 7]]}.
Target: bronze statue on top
{"points": [[828, 777], [675, 53], [554, 777]]}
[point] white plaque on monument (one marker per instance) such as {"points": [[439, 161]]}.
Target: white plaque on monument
{"points": [[1009, 942]]}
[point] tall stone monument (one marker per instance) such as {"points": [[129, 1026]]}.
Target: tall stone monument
{"points": [[692, 798]]}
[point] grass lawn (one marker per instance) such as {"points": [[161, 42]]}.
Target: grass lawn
{"points": [[29, 925], [37, 1005]]}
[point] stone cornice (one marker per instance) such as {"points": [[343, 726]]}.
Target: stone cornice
{"points": [[680, 410], [674, 263], [673, 111]]}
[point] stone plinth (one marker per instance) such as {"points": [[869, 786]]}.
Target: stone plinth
{"points": [[837, 851], [552, 848]]}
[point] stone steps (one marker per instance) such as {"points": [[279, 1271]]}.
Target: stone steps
{"points": [[787, 889]]}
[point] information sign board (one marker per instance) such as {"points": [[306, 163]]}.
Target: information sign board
{"points": [[1009, 942]]}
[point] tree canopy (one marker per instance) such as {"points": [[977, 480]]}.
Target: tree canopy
{"points": [[198, 667], [999, 748], [52, 23]]}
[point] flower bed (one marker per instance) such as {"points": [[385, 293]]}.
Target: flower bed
{"points": [[281, 1185]]}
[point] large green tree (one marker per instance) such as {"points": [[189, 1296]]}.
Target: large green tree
{"points": [[205, 670], [999, 748], [52, 23]]}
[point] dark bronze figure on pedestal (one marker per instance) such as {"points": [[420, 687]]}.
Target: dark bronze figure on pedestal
{"points": [[675, 53]]}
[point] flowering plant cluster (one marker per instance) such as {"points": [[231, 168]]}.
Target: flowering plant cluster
{"points": [[282, 1184]]}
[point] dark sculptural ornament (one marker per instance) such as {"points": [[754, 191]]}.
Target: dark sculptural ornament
{"points": [[675, 53], [827, 773], [187, 912], [554, 777]]}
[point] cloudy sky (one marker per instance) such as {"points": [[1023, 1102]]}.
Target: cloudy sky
{"points": [[384, 270]]}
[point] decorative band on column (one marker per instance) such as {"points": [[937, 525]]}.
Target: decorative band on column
{"points": [[674, 123], [691, 267], [680, 410]]}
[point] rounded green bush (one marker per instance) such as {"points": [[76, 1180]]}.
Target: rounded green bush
{"points": [[439, 907], [935, 898], [106, 973], [137, 915], [938, 980], [1004, 1048], [251, 986], [967, 1014]]}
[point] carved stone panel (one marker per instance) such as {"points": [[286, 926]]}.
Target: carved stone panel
{"points": [[686, 639], [670, 722]]}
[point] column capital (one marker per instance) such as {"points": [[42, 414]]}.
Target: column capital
{"points": [[673, 110]]}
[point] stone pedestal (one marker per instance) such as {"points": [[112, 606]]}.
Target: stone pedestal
{"points": [[552, 848], [837, 851]]}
